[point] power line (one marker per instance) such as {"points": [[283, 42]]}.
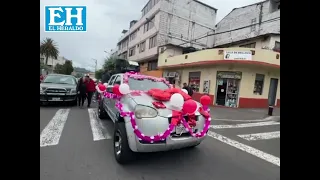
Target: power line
{"points": [[267, 21]]}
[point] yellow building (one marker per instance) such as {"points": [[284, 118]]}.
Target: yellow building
{"points": [[233, 77]]}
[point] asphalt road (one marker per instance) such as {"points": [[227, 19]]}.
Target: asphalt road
{"points": [[69, 150]]}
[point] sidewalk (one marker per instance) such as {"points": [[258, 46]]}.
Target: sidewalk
{"points": [[241, 113]]}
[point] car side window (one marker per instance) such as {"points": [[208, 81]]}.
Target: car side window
{"points": [[111, 80], [118, 80]]}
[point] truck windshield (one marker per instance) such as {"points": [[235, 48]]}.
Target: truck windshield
{"points": [[146, 84], [59, 79]]}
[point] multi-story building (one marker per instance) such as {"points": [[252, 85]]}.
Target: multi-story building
{"points": [[253, 26], [53, 62], [166, 22]]}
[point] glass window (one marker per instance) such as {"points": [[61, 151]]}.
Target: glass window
{"points": [[152, 65], [146, 84], [250, 45], [111, 80], [194, 80], [58, 79], [258, 84], [118, 80]]}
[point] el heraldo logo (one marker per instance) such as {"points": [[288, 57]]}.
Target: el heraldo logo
{"points": [[65, 19]]}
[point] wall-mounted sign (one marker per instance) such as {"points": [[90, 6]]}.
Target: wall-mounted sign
{"points": [[206, 86], [237, 55], [229, 75]]}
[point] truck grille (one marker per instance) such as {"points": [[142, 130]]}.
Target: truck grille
{"points": [[185, 117], [56, 90]]}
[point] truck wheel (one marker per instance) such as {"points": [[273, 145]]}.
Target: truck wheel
{"points": [[122, 151], [102, 113]]}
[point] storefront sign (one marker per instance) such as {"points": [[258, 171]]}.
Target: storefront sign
{"points": [[237, 55], [229, 75]]}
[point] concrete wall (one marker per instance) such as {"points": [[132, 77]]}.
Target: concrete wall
{"points": [[244, 16], [261, 43]]}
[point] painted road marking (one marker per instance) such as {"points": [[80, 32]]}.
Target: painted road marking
{"points": [[50, 135], [261, 136], [96, 127], [244, 125], [260, 154]]}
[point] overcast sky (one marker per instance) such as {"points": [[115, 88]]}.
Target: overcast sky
{"points": [[105, 21]]}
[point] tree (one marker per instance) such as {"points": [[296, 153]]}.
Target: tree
{"points": [[49, 48], [98, 74], [109, 63], [58, 69], [67, 67]]}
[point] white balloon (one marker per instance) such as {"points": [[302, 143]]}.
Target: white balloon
{"points": [[185, 91], [124, 89], [176, 101], [105, 84]]}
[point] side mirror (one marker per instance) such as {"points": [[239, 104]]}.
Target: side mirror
{"points": [[109, 89]]}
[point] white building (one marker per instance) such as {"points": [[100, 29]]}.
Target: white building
{"points": [[262, 27], [60, 60], [166, 22]]}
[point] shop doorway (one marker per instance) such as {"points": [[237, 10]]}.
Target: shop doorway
{"points": [[273, 91], [227, 89]]}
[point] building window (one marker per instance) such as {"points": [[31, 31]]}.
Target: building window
{"points": [[142, 46], [194, 81], [132, 51], [258, 84], [148, 25], [153, 42], [253, 24], [152, 65], [250, 45], [149, 6], [133, 35], [277, 46]]}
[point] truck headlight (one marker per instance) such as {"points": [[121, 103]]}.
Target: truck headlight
{"points": [[142, 111], [73, 91]]}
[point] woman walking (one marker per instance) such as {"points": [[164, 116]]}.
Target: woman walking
{"points": [[82, 91]]}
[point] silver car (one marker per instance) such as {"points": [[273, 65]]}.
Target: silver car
{"points": [[126, 144], [58, 88]]}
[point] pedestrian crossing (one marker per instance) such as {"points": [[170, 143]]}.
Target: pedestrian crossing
{"points": [[52, 132], [248, 137]]}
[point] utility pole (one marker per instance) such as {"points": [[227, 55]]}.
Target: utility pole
{"points": [[96, 63]]}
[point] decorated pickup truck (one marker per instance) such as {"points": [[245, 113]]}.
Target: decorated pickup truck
{"points": [[150, 115]]}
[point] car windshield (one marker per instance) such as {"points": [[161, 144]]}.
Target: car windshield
{"points": [[146, 84], [60, 80]]}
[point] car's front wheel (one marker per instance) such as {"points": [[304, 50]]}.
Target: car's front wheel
{"points": [[122, 151], [102, 113]]}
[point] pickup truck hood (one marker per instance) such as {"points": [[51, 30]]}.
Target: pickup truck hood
{"points": [[145, 99], [52, 85]]}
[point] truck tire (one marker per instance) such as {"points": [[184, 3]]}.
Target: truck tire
{"points": [[102, 113], [122, 151]]}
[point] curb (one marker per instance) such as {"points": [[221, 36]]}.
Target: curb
{"points": [[269, 118]]}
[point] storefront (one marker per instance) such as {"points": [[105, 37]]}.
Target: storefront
{"points": [[232, 77], [227, 88]]}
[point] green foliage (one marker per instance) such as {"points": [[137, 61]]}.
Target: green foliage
{"points": [[109, 64], [49, 48], [98, 74], [66, 68]]}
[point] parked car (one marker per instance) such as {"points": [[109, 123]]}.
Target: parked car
{"points": [[125, 142], [58, 88]]}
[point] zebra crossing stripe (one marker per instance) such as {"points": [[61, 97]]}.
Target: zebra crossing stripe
{"points": [[253, 151], [98, 132], [260, 136], [51, 133], [244, 125]]}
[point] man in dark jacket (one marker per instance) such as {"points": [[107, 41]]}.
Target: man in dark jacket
{"points": [[91, 88], [188, 88], [82, 90]]}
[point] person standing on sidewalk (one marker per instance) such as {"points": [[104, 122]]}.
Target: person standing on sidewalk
{"points": [[91, 88], [188, 88], [82, 91]]}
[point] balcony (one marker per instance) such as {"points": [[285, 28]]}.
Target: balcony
{"points": [[259, 57]]}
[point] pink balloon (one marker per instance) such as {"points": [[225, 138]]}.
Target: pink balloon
{"points": [[102, 87], [115, 90], [205, 100], [189, 107]]}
